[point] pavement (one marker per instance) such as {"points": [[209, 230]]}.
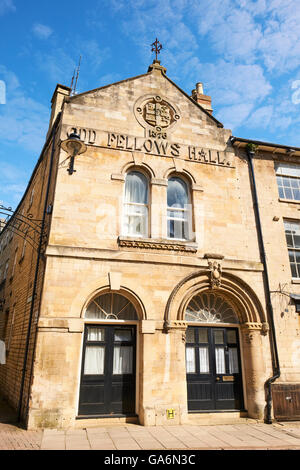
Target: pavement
{"points": [[248, 435]]}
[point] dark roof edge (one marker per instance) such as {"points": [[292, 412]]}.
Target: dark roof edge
{"points": [[219, 124], [106, 86], [264, 144], [194, 102]]}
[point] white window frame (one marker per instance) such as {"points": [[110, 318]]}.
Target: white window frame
{"points": [[290, 172], [186, 212], [292, 249], [125, 214]]}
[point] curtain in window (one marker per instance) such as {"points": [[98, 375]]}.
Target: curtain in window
{"points": [[136, 205], [95, 334], [136, 188], [204, 360], [94, 360], [123, 360], [178, 209], [177, 193], [220, 360], [190, 360], [233, 361]]}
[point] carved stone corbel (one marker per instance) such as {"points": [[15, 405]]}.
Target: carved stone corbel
{"points": [[265, 329], [250, 327], [167, 326], [174, 325], [215, 268]]}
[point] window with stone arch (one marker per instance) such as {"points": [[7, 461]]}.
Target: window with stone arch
{"points": [[179, 212], [136, 205], [210, 307], [111, 306]]}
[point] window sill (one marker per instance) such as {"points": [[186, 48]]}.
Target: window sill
{"points": [[158, 244], [289, 201], [295, 280]]}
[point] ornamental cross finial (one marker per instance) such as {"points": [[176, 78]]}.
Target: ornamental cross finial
{"points": [[156, 47]]}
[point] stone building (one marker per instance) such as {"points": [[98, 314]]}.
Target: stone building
{"points": [[151, 270]]}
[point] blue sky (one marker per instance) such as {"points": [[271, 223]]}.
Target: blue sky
{"points": [[246, 53]]}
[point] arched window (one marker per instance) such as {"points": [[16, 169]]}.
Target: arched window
{"points": [[178, 209], [111, 306], [136, 200], [210, 308]]}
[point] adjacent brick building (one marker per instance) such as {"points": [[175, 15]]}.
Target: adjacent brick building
{"points": [[159, 281]]}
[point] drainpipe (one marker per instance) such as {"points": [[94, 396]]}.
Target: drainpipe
{"points": [[34, 290], [275, 359]]}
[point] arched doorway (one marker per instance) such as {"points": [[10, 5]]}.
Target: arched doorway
{"points": [[213, 365], [108, 371]]}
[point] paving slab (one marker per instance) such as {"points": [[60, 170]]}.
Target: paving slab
{"points": [[246, 436], [166, 439]]}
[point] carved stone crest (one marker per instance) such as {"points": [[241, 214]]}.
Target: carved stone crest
{"points": [[156, 114], [215, 274], [215, 268]]}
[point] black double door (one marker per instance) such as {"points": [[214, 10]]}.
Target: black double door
{"points": [[108, 371], [214, 379]]}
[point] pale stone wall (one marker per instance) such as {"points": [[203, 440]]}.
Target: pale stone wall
{"points": [[287, 320], [69, 282], [19, 243], [83, 252]]}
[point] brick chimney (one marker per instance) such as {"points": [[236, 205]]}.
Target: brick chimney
{"points": [[200, 98]]}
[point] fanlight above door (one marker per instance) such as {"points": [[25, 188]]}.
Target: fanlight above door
{"points": [[111, 307], [210, 308]]}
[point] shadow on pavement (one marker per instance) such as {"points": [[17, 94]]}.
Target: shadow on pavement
{"points": [[7, 414]]}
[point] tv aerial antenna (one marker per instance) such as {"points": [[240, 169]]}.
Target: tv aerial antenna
{"points": [[74, 81]]}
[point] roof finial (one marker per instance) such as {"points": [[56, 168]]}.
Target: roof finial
{"points": [[156, 47]]}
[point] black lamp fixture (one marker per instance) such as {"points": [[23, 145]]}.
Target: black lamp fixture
{"points": [[73, 146]]}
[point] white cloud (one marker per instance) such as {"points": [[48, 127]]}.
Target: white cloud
{"points": [[250, 31], [23, 127], [58, 65], [237, 36], [257, 7], [23, 120], [234, 115], [261, 117], [280, 45], [11, 172], [6, 6], [92, 52], [227, 83], [161, 18], [12, 193], [108, 79], [42, 31]]}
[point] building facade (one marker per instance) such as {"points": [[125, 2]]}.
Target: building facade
{"points": [[154, 276]]}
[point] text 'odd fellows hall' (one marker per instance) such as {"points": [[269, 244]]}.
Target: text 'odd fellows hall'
{"points": [[151, 271]]}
